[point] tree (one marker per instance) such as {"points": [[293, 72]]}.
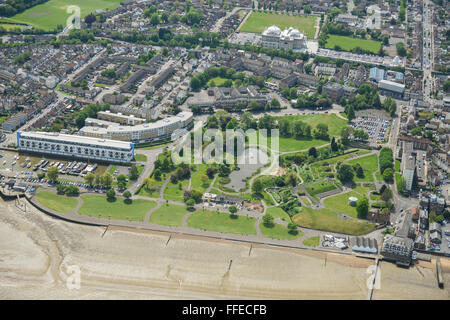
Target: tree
{"points": [[350, 113], [359, 171], [362, 207], [345, 135], [401, 50], [345, 173], [232, 209], [190, 203], [154, 19], [334, 145], [98, 180], [134, 173], [90, 18], [321, 131], [312, 152], [174, 18], [89, 178], [53, 173], [107, 180], [195, 83], [275, 104], [268, 221], [446, 84], [388, 174], [60, 189], [401, 184], [121, 178], [111, 194], [292, 227], [257, 186], [387, 195], [127, 195], [204, 178]]}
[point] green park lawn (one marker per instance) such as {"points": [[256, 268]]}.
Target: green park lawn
{"points": [[278, 232], [312, 242], [99, 206], [222, 222], [169, 215], [217, 82], [327, 219], [335, 126], [320, 187], [140, 157], [259, 21], [48, 15], [305, 200], [348, 43], [173, 191], [340, 203], [369, 165], [277, 212], [196, 178], [57, 202]]}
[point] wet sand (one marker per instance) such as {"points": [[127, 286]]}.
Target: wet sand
{"points": [[36, 252]]}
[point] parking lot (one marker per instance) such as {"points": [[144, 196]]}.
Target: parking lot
{"points": [[443, 247], [376, 126]]}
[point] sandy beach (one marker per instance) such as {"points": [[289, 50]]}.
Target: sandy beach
{"points": [[37, 252]]}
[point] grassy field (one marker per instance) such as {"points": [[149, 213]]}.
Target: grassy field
{"points": [[196, 178], [99, 206], [340, 203], [278, 232], [335, 126], [48, 15], [277, 212], [259, 21], [8, 26], [140, 157], [305, 200], [327, 219], [348, 43], [218, 82], [221, 222], [320, 187], [169, 215], [57, 202], [312, 242], [369, 165]]}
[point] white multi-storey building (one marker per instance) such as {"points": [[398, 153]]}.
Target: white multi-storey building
{"points": [[288, 39], [73, 146], [146, 132]]}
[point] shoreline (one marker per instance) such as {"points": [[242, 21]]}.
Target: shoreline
{"points": [[124, 263]]}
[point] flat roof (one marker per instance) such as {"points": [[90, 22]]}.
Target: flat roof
{"points": [[76, 139], [182, 116]]}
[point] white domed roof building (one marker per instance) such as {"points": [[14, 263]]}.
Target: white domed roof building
{"points": [[288, 39]]}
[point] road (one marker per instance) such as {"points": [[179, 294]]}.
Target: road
{"points": [[428, 49]]}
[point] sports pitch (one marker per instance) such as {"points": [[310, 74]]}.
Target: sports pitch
{"points": [[259, 21], [348, 43], [48, 15]]}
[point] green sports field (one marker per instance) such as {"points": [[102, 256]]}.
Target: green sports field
{"points": [[48, 15], [259, 21], [348, 43]]}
